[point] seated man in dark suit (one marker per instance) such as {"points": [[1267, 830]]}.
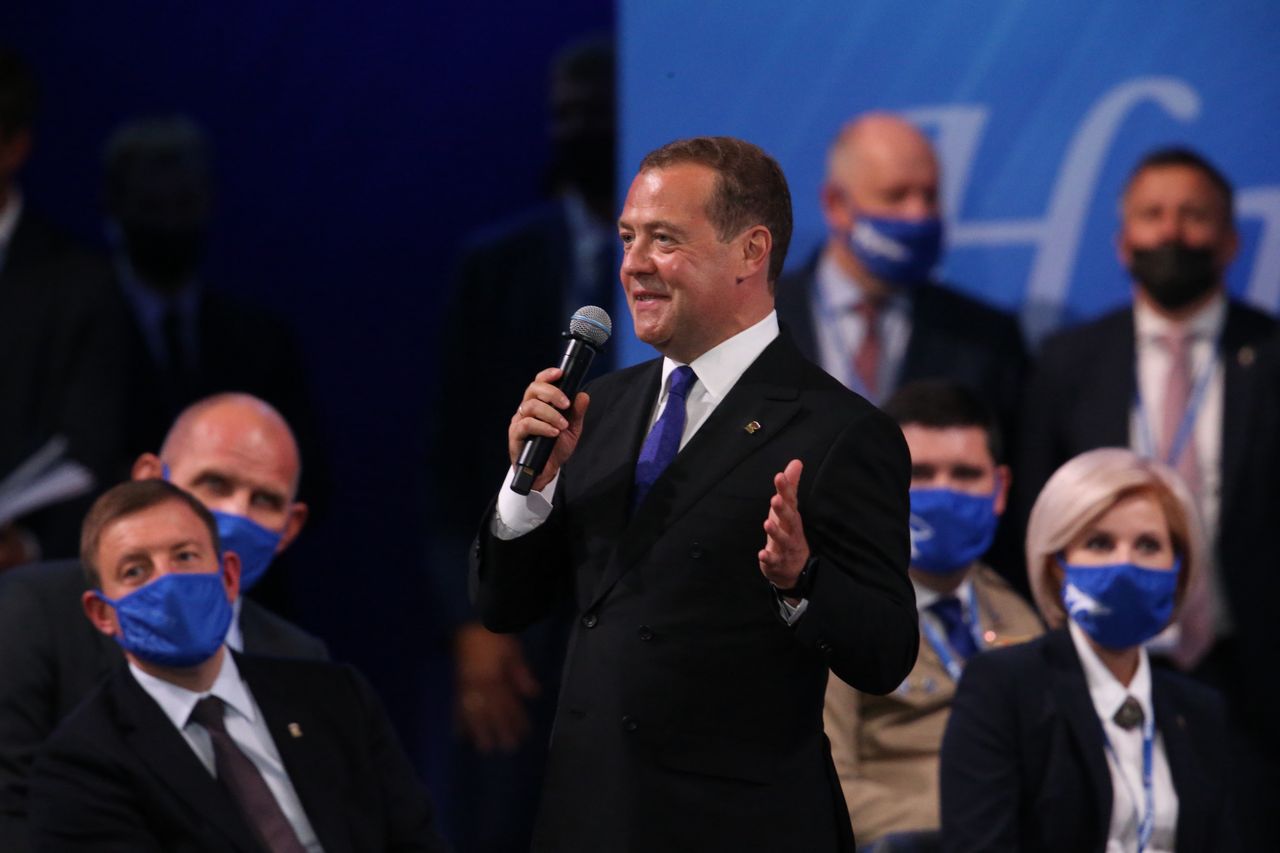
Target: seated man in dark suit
{"points": [[865, 307], [237, 455], [58, 362], [190, 747]]}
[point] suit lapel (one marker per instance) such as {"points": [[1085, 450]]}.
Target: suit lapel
{"points": [[1071, 693], [1108, 425], [1172, 726], [760, 395], [152, 737], [1239, 355], [290, 723]]}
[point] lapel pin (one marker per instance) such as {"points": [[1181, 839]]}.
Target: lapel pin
{"points": [[753, 427], [1245, 356], [295, 730]]}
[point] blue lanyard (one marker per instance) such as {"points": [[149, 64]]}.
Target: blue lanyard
{"points": [[940, 645], [831, 318], [1182, 436], [1147, 818]]}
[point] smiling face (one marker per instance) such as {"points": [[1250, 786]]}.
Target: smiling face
{"points": [[1134, 530], [687, 289]]}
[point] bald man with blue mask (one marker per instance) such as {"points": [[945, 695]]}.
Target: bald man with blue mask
{"points": [[237, 455], [886, 748]]}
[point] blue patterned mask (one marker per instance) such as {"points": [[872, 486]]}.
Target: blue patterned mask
{"points": [[254, 544], [179, 619], [1120, 605], [903, 251], [950, 529]]}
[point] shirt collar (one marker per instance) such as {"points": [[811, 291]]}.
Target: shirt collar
{"points": [[719, 368], [9, 218], [926, 597], [178, 702], [1206, 324], [1105, 689], [840, 293]]}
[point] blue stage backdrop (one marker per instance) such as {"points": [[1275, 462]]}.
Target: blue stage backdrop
{"points": [[1038, 110]]}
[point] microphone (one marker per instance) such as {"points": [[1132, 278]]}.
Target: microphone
{"points": [[589, 328]]}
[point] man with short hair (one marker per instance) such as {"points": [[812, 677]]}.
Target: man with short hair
{"points": [[237, 455], [886, 748], [866, 307], [731, 523], [1190, 377], [58, 360], [195, 748]]}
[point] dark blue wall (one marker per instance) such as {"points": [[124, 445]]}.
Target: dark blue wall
{"points": [[356, 143]]}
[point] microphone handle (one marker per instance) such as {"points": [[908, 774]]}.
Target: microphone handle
{"points": [[574, 364]]}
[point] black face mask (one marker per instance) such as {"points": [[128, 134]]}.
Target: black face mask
{"points": [[164, 258], [1174, 274]]}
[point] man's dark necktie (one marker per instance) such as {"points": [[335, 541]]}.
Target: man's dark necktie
{"points": [[176, 356], [663, 442], [959, 637], [1129, 715], [241, 777]]}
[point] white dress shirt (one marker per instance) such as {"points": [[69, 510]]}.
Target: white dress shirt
{"points": [[717, 371], [246, 726], [839, 329], [1153, 379], [1124, 759]]}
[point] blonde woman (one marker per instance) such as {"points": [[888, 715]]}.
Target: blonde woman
{"points": [[1074, 742]]}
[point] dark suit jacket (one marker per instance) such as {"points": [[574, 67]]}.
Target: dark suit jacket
{"points": [[691, 714], [117, 774], [51, 658], [953, 336], [1081, 397], [1023, 760], [58, 366]]}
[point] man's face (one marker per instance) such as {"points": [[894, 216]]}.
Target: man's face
{"points": [[239, 471], [163, 539], [955, 458], [679, 277], [891, 178], [1176, 203]]}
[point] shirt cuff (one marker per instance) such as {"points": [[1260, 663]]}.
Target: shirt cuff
{"points": [[791, 613], [517, 515]]}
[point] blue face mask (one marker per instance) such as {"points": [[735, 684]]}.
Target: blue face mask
{"points": [[253, 543], [903, 251], [950, 529], [179, 619], [1121, 605]]}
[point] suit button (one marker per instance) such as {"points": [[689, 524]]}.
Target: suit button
{"points": [[824, 647], [696, 551], [645, 633], [589, 620], [630, 723]]}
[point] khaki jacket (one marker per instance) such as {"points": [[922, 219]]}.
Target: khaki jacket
{"points": [[886, 748]]}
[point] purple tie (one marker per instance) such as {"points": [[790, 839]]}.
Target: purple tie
{"points": [[663, 442], [237, 772]]}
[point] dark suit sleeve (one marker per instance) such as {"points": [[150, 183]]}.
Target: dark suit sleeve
{"points": [[980, 765], [861, 611], [410, 825], [81, 801], [267, 634], [1040, 446], [27, 714], [516, 582]]}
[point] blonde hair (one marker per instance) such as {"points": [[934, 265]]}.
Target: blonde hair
{"points": [[1080, 492]]}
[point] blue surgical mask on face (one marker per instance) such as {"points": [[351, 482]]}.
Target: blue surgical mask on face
{"points": [[254, 544], [950, 529], [1120, 605], [903, 251], [179, 619]]}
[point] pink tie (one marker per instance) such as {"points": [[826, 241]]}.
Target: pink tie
{"points": [[1196, 619], [866, 361]]}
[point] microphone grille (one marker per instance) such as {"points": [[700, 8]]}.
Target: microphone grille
{"points": [[592, 324]]}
